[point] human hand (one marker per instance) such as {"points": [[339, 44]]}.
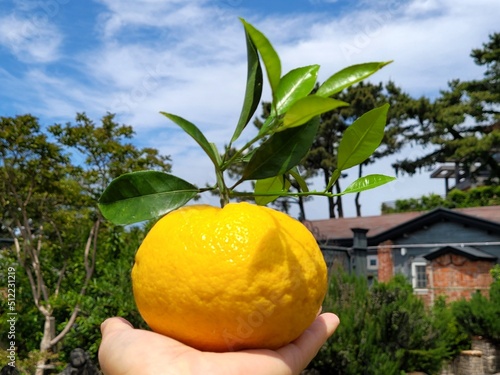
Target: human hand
{"points": [[125, 350]]}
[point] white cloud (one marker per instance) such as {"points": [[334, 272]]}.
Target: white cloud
{"points": [[31, 39], [424, 8], [428, 51], [172, 15]]}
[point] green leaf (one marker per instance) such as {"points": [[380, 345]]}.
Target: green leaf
{"points": [[144, 195], [278, 185], [295, 85], [253, 90], [281, 152], [267, 53], [368, 182], [269, 123], [348, 77], [294, 172], [335, 176], [196, 134], [361, 139], [215, 151], [306, 108]]}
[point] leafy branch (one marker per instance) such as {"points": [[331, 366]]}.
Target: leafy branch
{"points": [[281, 144]]}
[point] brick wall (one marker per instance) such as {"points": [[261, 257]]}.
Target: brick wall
{"points": [[385, 262], [456, 276]]}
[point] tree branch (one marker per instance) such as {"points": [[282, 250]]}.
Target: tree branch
{"points": [[89, 269], [67, 327], [38, 269], [36, 296], [60, 278]]}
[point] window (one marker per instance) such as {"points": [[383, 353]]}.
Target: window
{"points": [[419, 275], [372, 262]]}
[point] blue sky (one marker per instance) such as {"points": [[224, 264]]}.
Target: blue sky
{"points": [[188, 57]]}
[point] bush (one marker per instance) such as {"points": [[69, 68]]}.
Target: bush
{"points": [[480, 316], [476, 197], [109, 294], [385, 329]]}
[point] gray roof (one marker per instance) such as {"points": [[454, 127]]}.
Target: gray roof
{"points": [[466, 251]]}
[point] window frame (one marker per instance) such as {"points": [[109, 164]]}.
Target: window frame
{"points": [[414, 275], [368, 265]]}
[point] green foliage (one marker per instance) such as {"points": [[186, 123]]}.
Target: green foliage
{"points": [[281, 144], [110, 293], [480, 316], [29, 321], [106, 151], [28, 364], [143, 191], [461, 125], [451, 333], [385, 329], [50, 210], [321, 158], [476, 197], [495, 273]]}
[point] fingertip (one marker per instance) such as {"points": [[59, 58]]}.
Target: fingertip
{"points": [[331, 321], [115, 324]]}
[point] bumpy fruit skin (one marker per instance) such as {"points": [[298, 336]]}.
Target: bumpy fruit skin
{"points": [[240, 277]]}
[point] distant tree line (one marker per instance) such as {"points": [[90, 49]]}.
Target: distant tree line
{"points": [[476, 197]]}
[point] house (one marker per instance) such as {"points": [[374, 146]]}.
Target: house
{"points": [[441, 252]]}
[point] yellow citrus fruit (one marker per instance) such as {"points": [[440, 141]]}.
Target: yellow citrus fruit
{"points": [[240, 277]]}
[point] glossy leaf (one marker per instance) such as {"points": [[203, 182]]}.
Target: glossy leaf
{"points": [[362, 138], [281, 152], [335, 176], [139, 196], [269, 56], [348, 77], [295, 85], [368, 182], [253, 90], [215, 151], [196, 134], [294, 172], [306, 108], [278, 184]]}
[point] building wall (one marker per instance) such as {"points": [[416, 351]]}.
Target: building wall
{"points": [[385, 262], [439, 233], [456, 276]]}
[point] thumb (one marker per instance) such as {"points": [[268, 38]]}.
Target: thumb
{"points": [[116, 324], [111, 348], [301, 351]]}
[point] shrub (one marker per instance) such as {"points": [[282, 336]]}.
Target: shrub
{"points": [[475, 197], [480, 316], [385, 329]]}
